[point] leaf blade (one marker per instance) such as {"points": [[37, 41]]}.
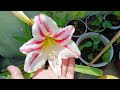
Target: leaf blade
{"points": [[88, 70]]}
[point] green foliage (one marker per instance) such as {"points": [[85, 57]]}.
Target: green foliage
{"points": [[88, 70], [107, 24], [118, 40], [117, 13], [77, 14], [88, 44], [96, 42], [98, 21], [27, 37], [28, 32], [106, 56], [28, 75], [63, 21], [21, 39], [90, 57], [95, 23]]}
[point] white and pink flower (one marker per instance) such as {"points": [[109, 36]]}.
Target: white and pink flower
{"points": [[48, 43]]}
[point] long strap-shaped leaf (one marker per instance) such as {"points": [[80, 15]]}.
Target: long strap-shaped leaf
{"points": [[88, 70]]}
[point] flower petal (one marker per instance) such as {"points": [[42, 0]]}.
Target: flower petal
{"points": [[37, 31], [70, 50], [56, 65], [31, 45], [64, 34], [50, 25], [34, 61], [43, 25]]}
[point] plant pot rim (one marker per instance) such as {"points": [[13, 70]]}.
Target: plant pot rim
{"points": [[83, 23], [103, 39], [113, 27], [90, 28]]}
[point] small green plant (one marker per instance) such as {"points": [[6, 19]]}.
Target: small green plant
{"points": [[76, 15], [95, 41], [99, 21], [63, 21], [90, 57], [88, 44], [117, 13]]}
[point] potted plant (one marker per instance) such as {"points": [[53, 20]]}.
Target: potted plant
{"points": [[114, 19], [80, 26], [96, 23], [90, 45]]}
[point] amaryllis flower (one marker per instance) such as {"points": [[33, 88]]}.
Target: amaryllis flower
{"points": [[48, 43]]}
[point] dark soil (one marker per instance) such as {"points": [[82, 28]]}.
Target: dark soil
{"points": [[87, 51], [93, 27], [113, 19], [79, 27]]}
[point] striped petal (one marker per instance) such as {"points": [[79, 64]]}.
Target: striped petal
{"points": [[64, 34], [70, 50], [56, 65], [34, 61], [31, 45], [43, 25]]}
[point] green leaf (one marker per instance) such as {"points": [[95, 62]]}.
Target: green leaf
{"points": [[8, 76], [21, 39], [90, 57], [106, 56], [88, 44], [4, 73], [88, 70], [27, 32], [81, 14], [65, 19], [95, 23], [118, 40], [117, 13], [50, 13], [99, 18], [96, 41], [118, 18], [107, 24], [75, 14], [21, 54], [58, 21], [28, 75]]}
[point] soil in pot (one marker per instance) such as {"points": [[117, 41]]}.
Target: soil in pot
{"points": [[89, 50], [94, 27], [113, 19], [79, 27]]}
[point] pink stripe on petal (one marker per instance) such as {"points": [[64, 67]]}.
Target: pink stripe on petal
{"points": [[36, 42], [40, 30], [66, 31], [30, 50], [44, 24], [59, 34], [30, 63], [62, 40], [76, 54]]}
